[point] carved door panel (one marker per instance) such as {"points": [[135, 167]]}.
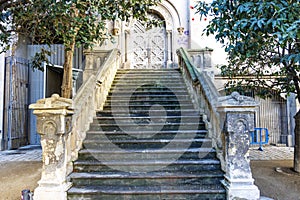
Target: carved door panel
{"points": [[147, 47]]}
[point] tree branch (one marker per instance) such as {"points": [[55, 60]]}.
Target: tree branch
{"points": [[4, 4]]}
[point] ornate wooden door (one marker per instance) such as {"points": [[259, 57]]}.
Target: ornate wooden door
{"points": [[147, 47]]}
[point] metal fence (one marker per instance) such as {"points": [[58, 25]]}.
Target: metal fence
{"points": [[38, 79], [16, 102]]}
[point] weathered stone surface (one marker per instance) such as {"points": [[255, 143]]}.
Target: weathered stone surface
{"points": [[237, 101], [54, 117], [237, 117], [142, 140]]}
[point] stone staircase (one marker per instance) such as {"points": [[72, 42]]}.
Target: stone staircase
{"points": [[148, 142]]}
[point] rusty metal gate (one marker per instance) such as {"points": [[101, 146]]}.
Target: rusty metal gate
{"points": [[16, 102]]}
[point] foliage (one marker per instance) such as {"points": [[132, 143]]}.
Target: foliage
{"points": [[262, 39], [68, 22], [56, 21]]}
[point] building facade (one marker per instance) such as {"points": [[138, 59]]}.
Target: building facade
{"points": [[146, 48]]}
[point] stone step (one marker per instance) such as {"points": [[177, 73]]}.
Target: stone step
{"points": [[150, 120], [208, 192], [148, 127], [145, 179], [177, 98], [127, 89], [166, 166], [148, 142], [178, 85], [154, 79], [142, 83], [130, 86], [135, 108], [157, 82], [98, 135], [156, 71], [141, 90], [146, 103], [150, 81], [150, 145], [148, 93], [146, 119], [145, 113], [146, 154], [148, 76]]}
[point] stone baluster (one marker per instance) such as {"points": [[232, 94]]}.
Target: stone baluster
{"points": [[237, 114], [54, 119]]}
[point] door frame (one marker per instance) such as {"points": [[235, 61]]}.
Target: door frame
{"points": [[167, 11]]}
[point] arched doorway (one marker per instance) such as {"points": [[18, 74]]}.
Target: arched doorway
{"points": [[147, 48]]}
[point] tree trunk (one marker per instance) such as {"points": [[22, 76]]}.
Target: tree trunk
{"points": [[66, 88], [297, 143]]}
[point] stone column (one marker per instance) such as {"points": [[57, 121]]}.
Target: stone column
{"points": [[169, 46], [237, 114], [291, 109], [54, 118]]}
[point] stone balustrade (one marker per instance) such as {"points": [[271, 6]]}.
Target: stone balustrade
{"points": [[62, 123], [201, 58], [229, 121]]}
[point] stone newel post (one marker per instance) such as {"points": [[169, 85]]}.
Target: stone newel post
{"points": [[238, 117], [54, 117]]}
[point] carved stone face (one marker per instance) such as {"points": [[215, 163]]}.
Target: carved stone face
{"points": [[180, 30], [116, 31]]}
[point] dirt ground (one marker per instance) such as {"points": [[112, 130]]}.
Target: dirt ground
{"points": [[280, 184], [17, 176]]}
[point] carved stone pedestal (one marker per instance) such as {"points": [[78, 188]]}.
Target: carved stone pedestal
{"points": [[54, 116], [237, 115]]}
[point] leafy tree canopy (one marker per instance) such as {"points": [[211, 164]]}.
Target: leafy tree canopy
{"points": [[57, 21], [68, 22], [262, 39]]}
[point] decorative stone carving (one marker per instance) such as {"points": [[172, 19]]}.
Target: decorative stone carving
{"points": [[54, 116], [166, 15], [237, 114], [180, 30]]}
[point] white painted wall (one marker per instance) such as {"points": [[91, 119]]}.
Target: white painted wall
{"points": [[198, 40]]}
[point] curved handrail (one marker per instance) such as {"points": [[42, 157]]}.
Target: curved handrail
{"points": [[91, 97], [205, 97]]}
